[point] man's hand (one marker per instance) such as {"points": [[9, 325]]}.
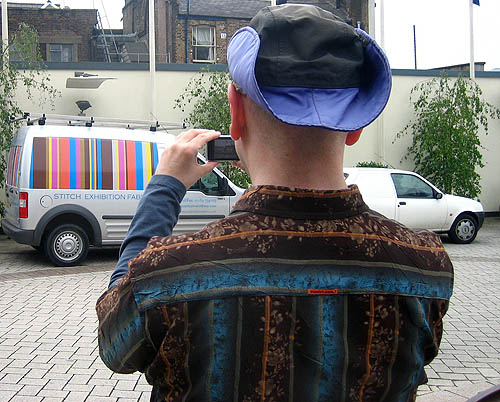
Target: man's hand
{"points": [[180, 159]]}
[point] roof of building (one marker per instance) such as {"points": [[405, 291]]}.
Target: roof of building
{"points": [[243, 8]]}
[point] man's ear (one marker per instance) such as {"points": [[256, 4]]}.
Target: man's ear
{"points": [[238, 119], [353, 137]]}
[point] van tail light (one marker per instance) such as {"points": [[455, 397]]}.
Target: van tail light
{"points": [[23, 205]]}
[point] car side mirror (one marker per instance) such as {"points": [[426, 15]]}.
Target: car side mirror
{"points": [[439, 196]]}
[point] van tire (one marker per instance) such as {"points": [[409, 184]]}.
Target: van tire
{"points": [[66, 245]]}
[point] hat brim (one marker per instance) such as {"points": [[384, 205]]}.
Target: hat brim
{"points": [[343, 109]]}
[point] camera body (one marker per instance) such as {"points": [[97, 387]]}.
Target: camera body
{"points": [[222, 149]]}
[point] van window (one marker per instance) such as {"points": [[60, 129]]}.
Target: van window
{"points": [[92, 164], [208, 184], [14, 162]]}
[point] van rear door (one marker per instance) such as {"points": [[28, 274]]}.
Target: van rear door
{"points": [[12, 201]]}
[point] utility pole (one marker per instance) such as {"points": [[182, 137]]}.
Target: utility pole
{"points": [[371, 18], [382, 23], [5, 30], [472, 63], [152, 57]]}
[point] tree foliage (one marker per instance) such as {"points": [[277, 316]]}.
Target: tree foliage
{"points": [[206, 98], [371, 164], [27, 72], [446, 146]]}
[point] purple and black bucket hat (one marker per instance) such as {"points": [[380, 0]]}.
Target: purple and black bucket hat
{"points": [[309, 68]]}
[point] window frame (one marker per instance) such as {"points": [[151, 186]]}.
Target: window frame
{"points": [[416, 196], [195, 46], [62, 46]]}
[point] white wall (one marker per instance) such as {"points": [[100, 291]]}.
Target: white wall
{"points": [[129, 97]]}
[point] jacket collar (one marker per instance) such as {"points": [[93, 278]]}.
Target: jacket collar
{"points": [[301, 204]]}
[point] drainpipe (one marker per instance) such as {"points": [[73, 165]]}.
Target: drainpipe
{"points": [[186, 34]]}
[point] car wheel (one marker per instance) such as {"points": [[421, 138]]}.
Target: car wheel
{"points": [[463, 230], [67, 245]]}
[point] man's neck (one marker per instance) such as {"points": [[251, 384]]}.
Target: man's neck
{"points": [[300, 176]]}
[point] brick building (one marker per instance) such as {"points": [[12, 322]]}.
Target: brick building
{"points": [[192, 31], [64, 34]]}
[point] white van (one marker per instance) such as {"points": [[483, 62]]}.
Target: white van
{"points": [[69, 187]]}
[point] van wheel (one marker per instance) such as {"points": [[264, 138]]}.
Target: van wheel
{"points": [[67, 245], [463, 230]]}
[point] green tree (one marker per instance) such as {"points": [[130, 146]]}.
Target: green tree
{"points": [[26, 71], [446, 147], [371, 164], [206, 98]]}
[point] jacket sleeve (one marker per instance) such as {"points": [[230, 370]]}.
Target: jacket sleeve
{"points": [[123, 345], [156, 215]]}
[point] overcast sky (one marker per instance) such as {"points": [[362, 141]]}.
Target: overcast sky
{"points": [[442, 29]]}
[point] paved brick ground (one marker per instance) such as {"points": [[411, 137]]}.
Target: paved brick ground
{"points": [[48, 347]]}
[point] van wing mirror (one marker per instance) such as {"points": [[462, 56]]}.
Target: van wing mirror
{"points": [[222, 184], [439, 196]]}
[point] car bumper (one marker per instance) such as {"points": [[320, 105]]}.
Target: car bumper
{"points": [[480, 219], [19, 235]]}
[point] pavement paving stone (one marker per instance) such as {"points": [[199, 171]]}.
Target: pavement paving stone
{"points": [[30, 390], [101, 390], [76, 396], [26, 398]]}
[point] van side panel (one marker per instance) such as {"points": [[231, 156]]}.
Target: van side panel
{"points": [[92, 164]]}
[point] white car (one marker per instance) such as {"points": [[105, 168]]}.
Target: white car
{"points": [[415, 202]]}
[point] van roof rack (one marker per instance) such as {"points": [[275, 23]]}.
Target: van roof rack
{"points": [[89, 121]]}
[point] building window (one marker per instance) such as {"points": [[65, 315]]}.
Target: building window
{"points": [[61, 52], [204, 44]]}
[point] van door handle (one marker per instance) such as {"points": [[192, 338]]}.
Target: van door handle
{"points": [[220, 198], [402, 203]]}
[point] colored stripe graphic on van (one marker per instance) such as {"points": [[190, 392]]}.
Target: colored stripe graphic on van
{"points": [[13, 164], [92, 164]]}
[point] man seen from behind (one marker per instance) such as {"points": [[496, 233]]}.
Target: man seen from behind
{"points": [[303, 293]]}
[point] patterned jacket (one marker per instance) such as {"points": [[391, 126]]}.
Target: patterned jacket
{"points": [[298, 295]]}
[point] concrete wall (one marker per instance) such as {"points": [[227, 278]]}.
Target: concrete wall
{"points": [[129, 97]]}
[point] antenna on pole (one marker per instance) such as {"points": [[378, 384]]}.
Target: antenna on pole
{"points": [[415, 46]]}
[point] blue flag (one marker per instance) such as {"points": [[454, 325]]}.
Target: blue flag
{"points": [[476, 2]]}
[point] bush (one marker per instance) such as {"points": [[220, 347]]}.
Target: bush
{"points": [[207, 92], [371, 164], [446, 147]]}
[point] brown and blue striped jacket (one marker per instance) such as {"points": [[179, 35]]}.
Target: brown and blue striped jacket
{"points": [[298, 295]]}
